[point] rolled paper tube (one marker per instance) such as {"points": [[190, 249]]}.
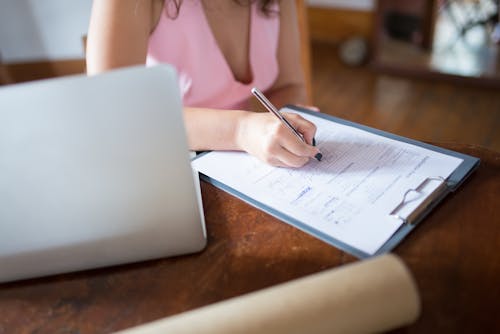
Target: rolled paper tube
{"points": [[364, 297]]}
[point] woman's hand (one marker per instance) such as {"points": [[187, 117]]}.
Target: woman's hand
{"points": [[267, 138]]}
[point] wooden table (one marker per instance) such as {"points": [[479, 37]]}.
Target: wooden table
{"points": [[454, 255]]}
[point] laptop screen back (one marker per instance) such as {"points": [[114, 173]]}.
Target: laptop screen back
{"points": [[95, 171]]}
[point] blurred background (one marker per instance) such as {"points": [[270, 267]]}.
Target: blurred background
{"points": [[424, 69]]}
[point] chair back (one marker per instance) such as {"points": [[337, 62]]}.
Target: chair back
{"points": [[305, 47]]}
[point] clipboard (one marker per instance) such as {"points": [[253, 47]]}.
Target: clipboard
{"points": [[408, 223]]}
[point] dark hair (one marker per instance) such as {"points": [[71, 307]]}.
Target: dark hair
{"points": [[174, 6]]}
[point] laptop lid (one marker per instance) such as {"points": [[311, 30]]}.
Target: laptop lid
{"points": [[95, 171]]}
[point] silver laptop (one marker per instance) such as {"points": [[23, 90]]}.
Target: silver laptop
{"points": [[95, 171]]}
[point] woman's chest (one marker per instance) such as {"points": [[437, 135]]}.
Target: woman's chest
{"points": [[230, 25]]}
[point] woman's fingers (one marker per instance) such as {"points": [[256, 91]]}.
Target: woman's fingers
{"points": [[303, 126], [295, 146], [266, 137], [289, 159], [291, 150]]}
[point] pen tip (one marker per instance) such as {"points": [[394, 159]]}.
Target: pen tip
{"points": [[318, 156]]}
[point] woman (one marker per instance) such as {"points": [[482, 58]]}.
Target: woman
{"points": [[221, 48]]}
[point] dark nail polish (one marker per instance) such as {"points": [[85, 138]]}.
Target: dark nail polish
{"points": [[318, 156], [314, 142]]}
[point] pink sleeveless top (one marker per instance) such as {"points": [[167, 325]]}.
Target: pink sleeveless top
{"points": [[205, 78]]}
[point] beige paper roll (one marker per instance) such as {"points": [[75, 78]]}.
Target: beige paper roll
{"points": [[364, 297]]}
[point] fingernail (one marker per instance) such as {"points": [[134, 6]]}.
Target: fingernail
{"points": [[318, 156], [314, 142]]}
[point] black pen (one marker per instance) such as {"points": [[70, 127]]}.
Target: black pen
{"points": [[272, 109]]}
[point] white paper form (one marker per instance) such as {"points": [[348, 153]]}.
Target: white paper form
{"points": [[350, 193]]}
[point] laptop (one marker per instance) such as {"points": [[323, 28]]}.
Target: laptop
{"points": [[95, 171]]}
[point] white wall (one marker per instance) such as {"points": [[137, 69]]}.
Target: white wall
{"points": [[33, 30]]}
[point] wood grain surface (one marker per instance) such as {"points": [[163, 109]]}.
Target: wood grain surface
{"points": [[453, 255]]}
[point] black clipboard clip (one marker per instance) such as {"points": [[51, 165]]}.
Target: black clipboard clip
{"points": [[413, 216]]}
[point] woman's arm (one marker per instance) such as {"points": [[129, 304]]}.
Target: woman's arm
{"points": [[260, 134], [118, 33], [118, 36]]}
